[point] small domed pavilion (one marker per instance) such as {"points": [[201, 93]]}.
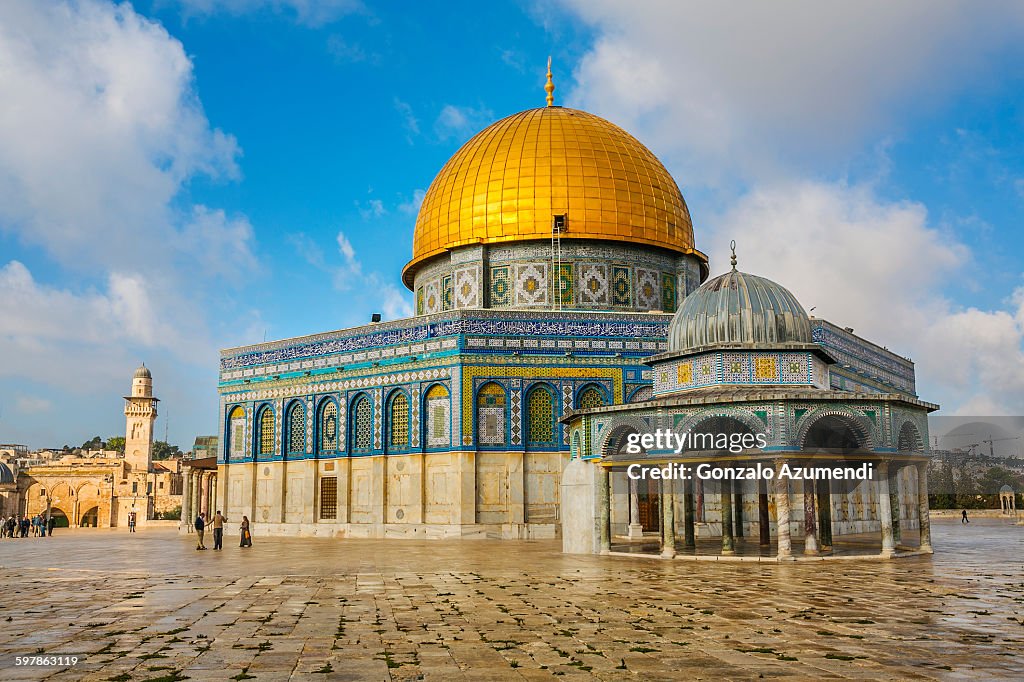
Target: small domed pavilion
{"points": [[745, 384]]}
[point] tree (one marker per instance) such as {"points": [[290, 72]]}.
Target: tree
{"points": [[96, 443], [941, 486], [966, 489], [116, 443], [162, 450], [996, 477]]}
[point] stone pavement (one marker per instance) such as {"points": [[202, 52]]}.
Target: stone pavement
{"points": [[148, 606]]}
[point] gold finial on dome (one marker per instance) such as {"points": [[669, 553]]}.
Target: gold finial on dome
{"points": [[732, 245], [549, 87]]}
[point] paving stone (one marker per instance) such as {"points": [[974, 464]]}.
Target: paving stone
{"points": [[306, 608]]}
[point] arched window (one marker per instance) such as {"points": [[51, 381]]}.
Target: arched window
{"points": [[490, 414], [362, 424], [329, 426], [398, 418], [296, 428], [540, 417], [266, 435], [591, 396], [437, 414], [236, 433]]}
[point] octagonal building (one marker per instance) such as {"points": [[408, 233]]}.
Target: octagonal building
{"points": [[549, 256]]}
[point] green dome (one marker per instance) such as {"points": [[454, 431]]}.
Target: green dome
{"points": [[738, 309]]}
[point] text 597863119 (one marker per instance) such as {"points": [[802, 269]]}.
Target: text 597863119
{"points": [[47, 661]]}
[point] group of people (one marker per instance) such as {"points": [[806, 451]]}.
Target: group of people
{"points": [[217, 524], [38, 525]]}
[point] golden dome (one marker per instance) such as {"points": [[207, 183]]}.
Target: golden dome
{"points": [[507, 182]]}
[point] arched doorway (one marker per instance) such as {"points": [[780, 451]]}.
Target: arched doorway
{"points": [[90, 519], [60, 518], [643, 496]]}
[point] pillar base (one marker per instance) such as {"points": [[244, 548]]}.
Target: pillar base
{"points": [[928, 549], [668, 553], [635, 531], [887, 553]]}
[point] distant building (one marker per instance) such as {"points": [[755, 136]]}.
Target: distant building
{"points": [[99, 488], [205, 446]]}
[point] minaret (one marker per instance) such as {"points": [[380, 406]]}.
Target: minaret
{"points": [[140, 412]]}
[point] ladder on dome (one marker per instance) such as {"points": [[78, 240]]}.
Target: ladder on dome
{"points": [[559, 224]]}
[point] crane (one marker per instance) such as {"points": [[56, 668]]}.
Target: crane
{"points": [[990, 440]]}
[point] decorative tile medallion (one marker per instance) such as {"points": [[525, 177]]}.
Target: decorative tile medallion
{"points": [[592, 283], [500, 286], [564, 283], [446, 292], [531, 285], [668, 292], [622, 293], [467, 288], [648, 289]]}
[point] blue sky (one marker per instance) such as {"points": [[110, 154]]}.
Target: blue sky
{"points": [[179, 177]]}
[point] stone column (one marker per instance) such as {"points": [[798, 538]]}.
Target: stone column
{"points": [[604, 526], [636, 530], [197, 480], [737, 510], [782, 514], [810, 523], [689, 537], [726, 501], [894, 503], [763, 521], [668, 520], [824, 495], [186, 497], [205, 504], [213, 491], [885, 511], [922, 507]]}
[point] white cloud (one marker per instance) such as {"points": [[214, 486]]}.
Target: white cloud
{"points": [[396, 302], [345, 51], [459, 123], [100, 130], [312, 13], [220, 245], [345, 248], [412, 207], [374, 208], [409, 120], [32, 404], [347, 275], [880, 267], [106, 130], [749, 89]]}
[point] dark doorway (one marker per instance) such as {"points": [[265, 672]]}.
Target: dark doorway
{"points": [[649, 505]]}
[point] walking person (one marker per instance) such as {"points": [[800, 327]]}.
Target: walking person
{"points": [[131, 522], [218, 530], [964, 519], [200, 524], [246, 540], [52, 523]]}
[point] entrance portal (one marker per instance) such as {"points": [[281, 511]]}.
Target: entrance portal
{"points": [[649, 504], [90, 519]]}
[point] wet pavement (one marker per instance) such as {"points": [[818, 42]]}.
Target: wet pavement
{"points": [[148, 606]]}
